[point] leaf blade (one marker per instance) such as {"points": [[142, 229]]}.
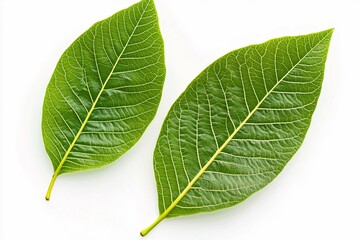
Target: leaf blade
{"points": [[105, 91], [232, 124]]}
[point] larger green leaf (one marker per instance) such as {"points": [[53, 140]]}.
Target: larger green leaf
{"points": [[105, 91], [237, 124]]}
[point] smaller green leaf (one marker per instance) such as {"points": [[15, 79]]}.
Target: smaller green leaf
{"points": [[105, 91], [235, 127]]}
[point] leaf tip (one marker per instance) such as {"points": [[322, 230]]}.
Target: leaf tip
{"points": [[326, 34], [331, 30]]}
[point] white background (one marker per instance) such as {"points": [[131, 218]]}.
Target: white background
{"points": [[317, 196]]}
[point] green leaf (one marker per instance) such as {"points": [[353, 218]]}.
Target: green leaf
{"points": [[235, 127], [105, 91]]}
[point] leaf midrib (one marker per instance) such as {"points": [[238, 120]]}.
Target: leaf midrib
{"points": [[73, 143], [204, 168]]}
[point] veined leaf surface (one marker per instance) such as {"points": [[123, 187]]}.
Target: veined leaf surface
{"points": [[105, 91], [237, 124]]}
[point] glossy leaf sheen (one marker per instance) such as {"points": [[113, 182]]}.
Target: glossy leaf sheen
{"points": [[238, 123], [105, 90]]}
